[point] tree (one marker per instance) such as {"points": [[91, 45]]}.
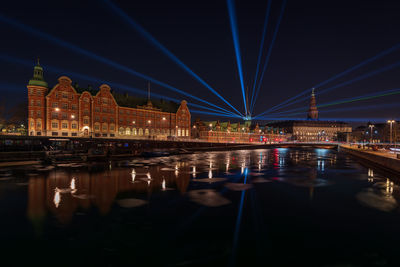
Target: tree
{"points": [[19, 114]]}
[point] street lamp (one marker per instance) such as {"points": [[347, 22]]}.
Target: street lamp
{"points": [[371, 126], [391, 126], [57, 109], [72, 116]]}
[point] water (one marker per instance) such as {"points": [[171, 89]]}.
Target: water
{"points": [[277, 207]]}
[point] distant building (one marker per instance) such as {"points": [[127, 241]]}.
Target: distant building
{"points": [[68, 111], [227, 132], [379, 133], [312, 129]]}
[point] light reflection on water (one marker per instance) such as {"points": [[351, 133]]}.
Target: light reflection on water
{"points": [[316, 179], [104, 185]]}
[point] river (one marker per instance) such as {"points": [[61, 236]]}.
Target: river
{"points": [[276, 207]]}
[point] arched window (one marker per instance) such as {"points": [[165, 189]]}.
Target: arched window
{"points": [[134, 132], [146, 132], [140, 131], [121, 130], [128, 131], [179, 132]]}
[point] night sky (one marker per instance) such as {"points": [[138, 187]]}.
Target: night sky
{"points": [[316, 40]]}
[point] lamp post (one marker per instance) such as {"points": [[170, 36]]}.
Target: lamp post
{"points": [[371, 126], [391, 127]]}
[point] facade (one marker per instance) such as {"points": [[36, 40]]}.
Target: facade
{"points": [[63, 111], [314, 130], [226, 132], [379, 133]]}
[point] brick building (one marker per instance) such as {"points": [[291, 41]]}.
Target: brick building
{"points": [[66, 111]]}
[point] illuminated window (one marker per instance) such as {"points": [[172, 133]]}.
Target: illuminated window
{"points": [[54, 125], [64, 125], [74, 126]]}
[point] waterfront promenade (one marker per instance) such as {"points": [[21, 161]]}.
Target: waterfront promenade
{"points": [[383, 158]]}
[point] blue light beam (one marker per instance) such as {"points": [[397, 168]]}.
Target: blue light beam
{"points": [[235, 36], [238, 220], [163, 49], [260, 52], [87, 53], [342, 101], [269, 52], [376, 57], [100, 81], [361, 77]]}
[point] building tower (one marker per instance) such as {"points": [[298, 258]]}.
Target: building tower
{"points": [[312, 110], [149, 104], [37, 90]]}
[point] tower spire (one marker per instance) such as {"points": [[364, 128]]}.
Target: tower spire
{"points": [[312, 110], [38, 78], [148, 95], [148, 91]]}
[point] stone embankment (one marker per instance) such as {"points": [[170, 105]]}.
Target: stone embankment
{"points": [[383, 159]]}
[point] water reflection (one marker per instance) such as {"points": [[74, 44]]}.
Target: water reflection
{"points": [[63, 191]]}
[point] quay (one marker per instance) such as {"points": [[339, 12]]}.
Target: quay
{"points": [[383, 159], [15, 149]]}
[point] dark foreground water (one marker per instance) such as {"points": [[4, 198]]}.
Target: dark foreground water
{"points": [[278, 207]]}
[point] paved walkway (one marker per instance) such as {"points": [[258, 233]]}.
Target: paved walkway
{"points": [[382, 153]]}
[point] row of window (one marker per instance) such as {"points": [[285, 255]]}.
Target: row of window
{"points": [[64, 116], [104, 110], [38, 103], [104, 127], [38, 92], [38, 125], [141, 132], [64, 105], [64, 125]]}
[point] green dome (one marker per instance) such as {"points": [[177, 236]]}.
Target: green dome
{"points": [[38, 79]]}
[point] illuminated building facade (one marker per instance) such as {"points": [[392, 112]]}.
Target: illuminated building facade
{"points": [[314, 130], [226, 132], [65, 111]]}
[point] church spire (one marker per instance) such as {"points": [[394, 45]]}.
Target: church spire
{"points": [[148, 95], [312, 111]]}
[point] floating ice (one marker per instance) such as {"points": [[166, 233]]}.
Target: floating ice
{"points": [[82, 196], [238, 186], [167, 169], [208, 197], [377, 201], [131, 202], [256, 174], [210, 180], [260, 180]]}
